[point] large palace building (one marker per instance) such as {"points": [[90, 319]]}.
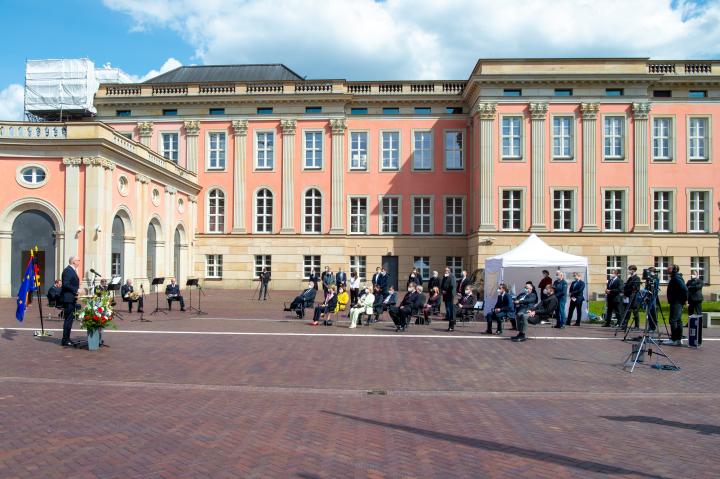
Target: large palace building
{"points": [[216, 171]]}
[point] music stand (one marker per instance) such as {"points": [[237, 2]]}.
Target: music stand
{"points": [[190, 283], [157, 282], [115, 286]]}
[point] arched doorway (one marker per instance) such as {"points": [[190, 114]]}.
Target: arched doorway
{"points": [[117, 255], [29, 229]]}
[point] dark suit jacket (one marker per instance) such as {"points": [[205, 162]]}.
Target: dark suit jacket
{"points": [[577, 290], [375, 278], [677, 292], [125, 290], [525, 302], [417, 279], [315, 279], [615, 287], [548, 306], [694, 287], [468, 301], [503, 303], [382, 281], [340, 278], [309, 295], [264, 277], [54, 295], [70, 285], [432, 282], [461, 285], [631, 286], [170, 289], [447, 287]]}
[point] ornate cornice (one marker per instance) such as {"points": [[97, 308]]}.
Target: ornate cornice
{"points": [[192, 127], [72, 161], [240, 127], [641, 110], [192, 198], [142, 179], [170, 190], [486, 111], [538, 111], [589, 110], [107, 164], [145, 128], [288, 126], [97, 161], [338, 125]]}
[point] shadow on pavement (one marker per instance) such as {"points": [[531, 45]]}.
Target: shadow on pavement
{"points": [[707, 429]]}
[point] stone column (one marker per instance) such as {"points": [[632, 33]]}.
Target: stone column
{"points": [[108, 217], [337, 127], [486, 112], [97, 233], [72, 207], [141, 199], [640, 120], [240, 128], [170, 205], [538, 114], [192, 200], [145, 128], [589, 126], [192, 130], [288, 155]]}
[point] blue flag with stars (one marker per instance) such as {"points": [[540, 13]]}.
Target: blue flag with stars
{"points": [[27, 286]]}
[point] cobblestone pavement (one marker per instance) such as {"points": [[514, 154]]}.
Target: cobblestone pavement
{"points": [[248, 392]]}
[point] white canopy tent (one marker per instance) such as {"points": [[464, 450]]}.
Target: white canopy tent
{"points": [[525, 263]]}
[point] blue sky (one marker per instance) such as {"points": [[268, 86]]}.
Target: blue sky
{"points": [[353, 39]]}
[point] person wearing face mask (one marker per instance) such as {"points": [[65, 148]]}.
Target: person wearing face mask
{"points": [[524, 301], [695, 294], [500, 311], [544, 311], [383, 281], [447, 289], [560, 286], [544, 283], [434, 281], [613, 295], [462, 282], [363, 306], [415, 277], [409, 304], [466, 304], [630, 300], [677, 296], [433, 302], [303, 300], [577, 297]]}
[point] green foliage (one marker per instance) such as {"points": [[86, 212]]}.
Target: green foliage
{"points": [[97, 313]]}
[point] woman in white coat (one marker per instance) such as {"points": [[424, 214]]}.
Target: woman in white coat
{"points": [[364, 305]]}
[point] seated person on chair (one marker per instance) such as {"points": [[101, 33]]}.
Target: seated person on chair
{"points": [[466, 305], [433, 304], [172, 291], [525, 300], [409, 304], [327, 307], [342, 299], [53, 294], [363, 306], [130, 296], [101, 288], [544, 311], [303, 300], [390, 299], [378, 304], [501, 310]]}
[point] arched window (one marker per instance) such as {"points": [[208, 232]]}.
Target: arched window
{"points": [[264, 211], [313, 211], [216, 211]]}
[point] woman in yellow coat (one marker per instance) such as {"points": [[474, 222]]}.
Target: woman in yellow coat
{"points": [[342, 299]]}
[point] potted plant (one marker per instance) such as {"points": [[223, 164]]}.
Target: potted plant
{"points": [[96, 315]]}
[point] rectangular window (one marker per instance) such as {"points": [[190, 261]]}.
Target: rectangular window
{"points": [[423, 110], [511, 137], [614, 202], [358, 111], [217, 111], [511, 210], [358, 150], [662, 211], [455, 263], [122, 112], [313, 109], [262, 261], [454, 150], [563, 92], [422, 215], [454, 215], [115, 264], [391, 111], [390, 150], [264, 150], [614, 137], [359, 264], [313, 149], [454, 110], [358, 215], [697, 93], [563, 210], [700, 264], [216, 151], [422, 263], [422, 150], [662, 93], [390, 215], [512, 92], [698, 212], [614, 92], [562, 137], [266, 110], [310, 262], [170, 146], [613, 263], [698, 139], [662, 139], [661, 264], [170, 112], [213, 266]]}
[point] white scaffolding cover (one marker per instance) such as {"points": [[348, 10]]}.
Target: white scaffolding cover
{"points": [[68, 84]]}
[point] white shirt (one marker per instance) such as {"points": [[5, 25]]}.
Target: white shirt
{"points": [[355, 282]]}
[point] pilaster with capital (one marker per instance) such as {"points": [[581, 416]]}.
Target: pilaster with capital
{"points": [[141, 212], [72, 206], [169, 217], [145, 129], [538, 115], [337, 129], [97, 205], [641, 112], [240, 128], [192, 131], [487, 114], [589, 113], [288, 177]]}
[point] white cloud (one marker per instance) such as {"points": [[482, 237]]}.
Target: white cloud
{"points": [[12, 102], [170, 64], [409, 39]]}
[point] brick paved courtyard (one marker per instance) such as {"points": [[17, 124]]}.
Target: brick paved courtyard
{"points": [[246, 391]]}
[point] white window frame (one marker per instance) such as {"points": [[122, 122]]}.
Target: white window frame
{"points": [[424, 272], [431, 226], [312, 153], [446, 150], [352, 215], [572, 212], [520, 135], [707, 140], [617, 262], [262, 261], [703, 269], [213, 266], [352, 152], [265, 214], [661, 263], [381, 216], [209, 151], [452, 263], [256, 150], [176, 150], [209, 215], [623, 209], [663, 215], [706, 211], [309, 264], [453, 217], [383, 150], [565, 140], [668, 137], [620, 138], [521, 213], [360, 265], [316, 218], [20, 177], [429, 149]]}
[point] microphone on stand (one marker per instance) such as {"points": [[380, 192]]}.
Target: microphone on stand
{"points": [[95, 272]]}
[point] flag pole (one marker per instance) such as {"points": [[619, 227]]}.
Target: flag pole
{"points": [[36, 271]]}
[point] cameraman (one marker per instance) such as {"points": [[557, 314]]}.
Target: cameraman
{"points": [[677, 295], [630, 300]]}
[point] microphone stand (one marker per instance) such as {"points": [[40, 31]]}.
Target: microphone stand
{"points": [[199, 311], [142, 314]]}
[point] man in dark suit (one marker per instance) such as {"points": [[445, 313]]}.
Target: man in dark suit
{"points": [[502, 310], [376, 276], [415, 277], [466, 303], [433, 281], [314, 278], [447, 289], [54, 294], [408, 305], [172, 292], [126, 291], [304, 299], [390, 299], [341, 278], [523, 302], [695, 293], [462, 283], [630, 299], [70, 286], [383, 281], [560, 286], [264, 278], [613, 299], [547, 308], [328, 278], [677, 295], [577, 297]]}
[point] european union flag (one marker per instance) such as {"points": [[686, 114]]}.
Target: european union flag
{"points": [[27, 286]]}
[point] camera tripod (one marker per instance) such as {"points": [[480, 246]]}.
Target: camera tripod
{"points": [[639, 350], [648, 301]]}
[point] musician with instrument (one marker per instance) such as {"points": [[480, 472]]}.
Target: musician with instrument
{"points": [[172, 291], [130, 296]]}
